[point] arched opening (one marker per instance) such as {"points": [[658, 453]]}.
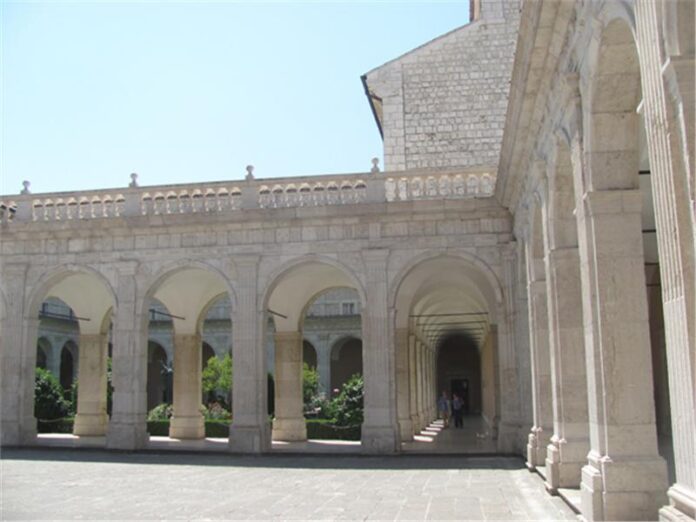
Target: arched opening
{"points": [[43, 347], [459, 372], [183, 306], [446, 341], [312, 299], [159, 376], [77, 304], [67, 365], [346, 361], [309, 354]]}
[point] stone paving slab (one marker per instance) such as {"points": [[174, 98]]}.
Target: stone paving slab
{"points": [[97, 485]]}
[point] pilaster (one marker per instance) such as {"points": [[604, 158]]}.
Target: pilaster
{"points": [[289, 423], [91, 418]]}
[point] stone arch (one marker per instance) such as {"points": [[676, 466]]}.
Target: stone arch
{"points": [[196, 309], [309, 354], [68, 372], [610, 102], [57, 283], [43, 349], [335, 271], [342, 365], [494, 301]]}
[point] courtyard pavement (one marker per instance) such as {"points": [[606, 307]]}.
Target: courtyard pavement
{"points": [[94, 484]]}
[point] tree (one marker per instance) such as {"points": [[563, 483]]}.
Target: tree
{"points": [[217, 379], [310, 385], [49, 403]]}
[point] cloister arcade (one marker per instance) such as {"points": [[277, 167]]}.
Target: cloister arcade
{"points": [[561, 296]]}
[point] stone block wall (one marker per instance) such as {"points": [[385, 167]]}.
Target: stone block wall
{"points": [[444, 103]]}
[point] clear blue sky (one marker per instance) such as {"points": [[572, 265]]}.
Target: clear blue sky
{"points": [[182, 92]]}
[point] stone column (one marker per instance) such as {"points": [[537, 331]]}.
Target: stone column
{"points": [[249, 432], [17, 362], [541, 432], [91, 418], [187, 421], [413, 384], [289, 423], [567, 452], [324, 364], [403, 392], [430, 385], [53, 358], [127, 426], [380, 432], [625, 478]]}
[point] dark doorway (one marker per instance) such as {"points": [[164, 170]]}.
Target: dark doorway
{"points": [[461, 387]]}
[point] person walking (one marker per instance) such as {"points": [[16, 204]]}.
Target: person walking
{"points": [[443, 407], [457, 411]]}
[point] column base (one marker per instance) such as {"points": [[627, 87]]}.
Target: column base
{"points": [[564, 463], [127, 434], [682, 506], [536, 449], [623, 490], [382, 440], [290, 430], [187, 427], [90, 424], [249, 439], [415, 424], [18, 433], [405, 429]]}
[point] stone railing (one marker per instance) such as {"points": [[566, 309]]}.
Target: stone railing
{"points": [[233, 196]]}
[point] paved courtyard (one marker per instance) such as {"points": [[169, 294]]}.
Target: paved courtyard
{"points": [[83, 484]]}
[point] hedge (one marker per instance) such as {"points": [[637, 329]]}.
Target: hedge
{"points": [[325, 429], [316, 429]]}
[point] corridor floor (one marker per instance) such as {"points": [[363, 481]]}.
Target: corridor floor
{"points": [[93, 484]]}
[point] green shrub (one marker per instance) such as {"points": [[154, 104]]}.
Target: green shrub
{"points": [[213, 428], [158, 428], [215, 411], [348, 406], [160, 412], [49, 403], [310, 385]]}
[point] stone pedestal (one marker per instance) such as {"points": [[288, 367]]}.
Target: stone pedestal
{"points": [[91, 418], [567, 451], [541, 432], [187, 421], [289, 423], [625, 478]]}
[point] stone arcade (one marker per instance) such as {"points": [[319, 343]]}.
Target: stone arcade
{"points": [[539, 178]]}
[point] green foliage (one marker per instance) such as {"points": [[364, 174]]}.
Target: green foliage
{"points": [[216, 411], [217, 379], [213, 428], [160, 412], [49, 403], [55, 426], [310, 385], [348, 406]]}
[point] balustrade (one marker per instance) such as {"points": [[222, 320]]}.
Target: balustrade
{"points": [[248, 194]]}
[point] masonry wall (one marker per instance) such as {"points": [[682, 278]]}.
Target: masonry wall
{"points": [[444, 103]]}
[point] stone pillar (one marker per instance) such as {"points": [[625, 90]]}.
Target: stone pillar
{"points": [[541, 432], [625, 478], [249, 432], [91, 418], [567, 452], [289, 423], [380, 432], [17, 362], [431, 384], [413, 384], [53, 358], [403, 392], [128, 424], [324, 364], [187, 421]]}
